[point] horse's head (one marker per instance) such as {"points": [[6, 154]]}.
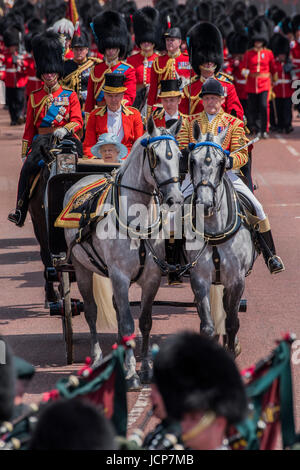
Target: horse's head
{"points": [[207, 163], [162, 157]]}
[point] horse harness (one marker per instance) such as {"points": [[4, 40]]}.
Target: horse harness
{"points": [[87, 225]]}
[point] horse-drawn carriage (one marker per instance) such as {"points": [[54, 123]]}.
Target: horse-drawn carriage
{"points": [[150, 173]]}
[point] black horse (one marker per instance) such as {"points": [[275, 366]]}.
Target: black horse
{"points": [[40, 160]]}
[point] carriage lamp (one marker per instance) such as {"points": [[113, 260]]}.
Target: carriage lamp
{"points": [[66, 163]]}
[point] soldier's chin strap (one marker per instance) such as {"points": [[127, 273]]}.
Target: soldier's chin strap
{"points": [[206, 420]]}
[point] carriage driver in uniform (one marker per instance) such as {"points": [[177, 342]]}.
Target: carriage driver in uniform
{"points": [[214, 120], [51, 109]]}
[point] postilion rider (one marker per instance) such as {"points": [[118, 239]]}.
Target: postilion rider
{"points": [[116, 118], [214, 120], [52, 109]]}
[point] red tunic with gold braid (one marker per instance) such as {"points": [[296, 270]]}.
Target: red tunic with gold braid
{"points": [[159, 117], [258, 67], [96, 81], [167, 67], [97, 124], [192, 104], [235, 137], [142, 65], [66, 113]]}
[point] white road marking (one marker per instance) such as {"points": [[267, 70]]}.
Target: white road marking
{"points": [[281, 139], [141, 403], [293, 151]]}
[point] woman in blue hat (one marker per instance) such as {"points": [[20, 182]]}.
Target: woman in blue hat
{"points": [[109, 149]]}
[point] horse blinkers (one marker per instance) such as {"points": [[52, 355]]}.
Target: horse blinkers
{"points": [[152, 157]]}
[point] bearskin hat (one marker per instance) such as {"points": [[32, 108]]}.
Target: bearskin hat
{"points": [[237, 43], [258, 31], [205, 44], [48, 53], [7, 384], [194, 373], [111, 32], [225, 26], [286, 26], [127, 10], [204, 11], [35, 25], [296, 23], [279, 44], [147, 26], [54, 11], [11, 37]]}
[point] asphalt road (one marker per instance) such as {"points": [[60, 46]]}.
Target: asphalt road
{"points": [[273, 304]]}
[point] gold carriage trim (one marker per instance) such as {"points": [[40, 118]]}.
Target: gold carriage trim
{"points": [[71, 214]]}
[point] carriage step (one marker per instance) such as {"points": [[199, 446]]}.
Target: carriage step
{"points": [[57, 308]]}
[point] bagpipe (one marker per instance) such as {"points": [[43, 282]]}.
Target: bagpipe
{"points": [[268, 386], [269, 389], [103, 384]]}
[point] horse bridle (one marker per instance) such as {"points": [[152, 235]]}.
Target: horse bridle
{"points": [[204, 182], [152, 157]]}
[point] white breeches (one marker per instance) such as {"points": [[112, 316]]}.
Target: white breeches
{"points": [[187, 190], [242, 188]]}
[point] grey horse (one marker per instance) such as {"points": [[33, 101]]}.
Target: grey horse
{"points": [[235, 254], [152, 166]]}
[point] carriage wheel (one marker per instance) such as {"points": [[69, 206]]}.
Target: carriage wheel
{"points": [[67, 317]]}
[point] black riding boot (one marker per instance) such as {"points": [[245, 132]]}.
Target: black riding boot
{"points": [[274, 262], [18, 217], [173, 258]]}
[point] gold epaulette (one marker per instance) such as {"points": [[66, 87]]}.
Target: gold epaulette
{"points": [[225, 77], [127, 110], [101, 111], [66, 88], [97, 60]]}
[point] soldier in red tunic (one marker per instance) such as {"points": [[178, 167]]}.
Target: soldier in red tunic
{"points": [[51, 110], [295, 50], [15, 77], [205, 46], [171, 65], [147, 31], [259, 70], [281, 111], [111, 32], [237, 46]]}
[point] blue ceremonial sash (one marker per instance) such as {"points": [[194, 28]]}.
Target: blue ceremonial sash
{"points": [[53, 111], [120, 69]]}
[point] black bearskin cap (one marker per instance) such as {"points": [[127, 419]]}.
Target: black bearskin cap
{"points": [[259, 31], [111, 32], [296, 23], [279, 45], [11, 37], [237, 43], [205, 44], [54, 11], [7, 384], [147, 26], [194, 373], [48, 53]]}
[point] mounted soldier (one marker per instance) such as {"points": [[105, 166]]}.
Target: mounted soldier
{"points": [[214, 120], [52, 109], [111, 34], [205, 47]]}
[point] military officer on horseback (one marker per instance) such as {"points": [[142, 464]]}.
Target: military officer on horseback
{"points": [[214, 120], [51, 109]]}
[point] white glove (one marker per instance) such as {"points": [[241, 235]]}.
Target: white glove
{"points": [[60, 132]]}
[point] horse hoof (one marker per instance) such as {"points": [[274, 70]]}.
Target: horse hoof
{"points": [[133, 383], [237, 349]]}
